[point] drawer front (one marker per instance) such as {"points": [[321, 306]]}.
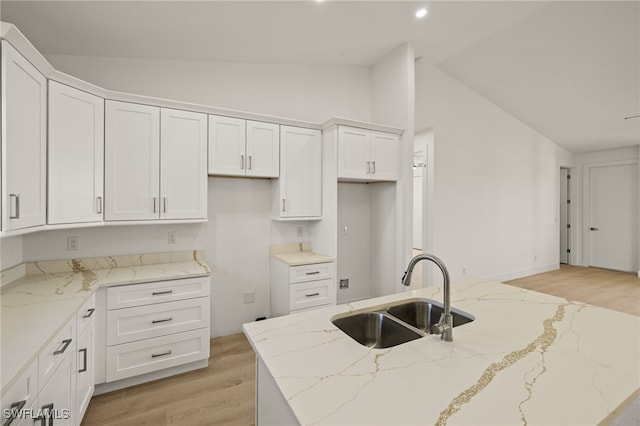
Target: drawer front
{"points": [[22, 394], [55, 352], [133, 359], [304, 273], [127, 296], [86, 314], [311, 294], [144, 322]]}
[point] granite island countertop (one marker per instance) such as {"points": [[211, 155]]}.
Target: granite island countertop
{"points": [[528, 358], [39, 298]]}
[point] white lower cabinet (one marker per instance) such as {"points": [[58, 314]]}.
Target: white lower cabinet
{"points": [[57, 398], [300, 288], [152, 330], [85, 351]]}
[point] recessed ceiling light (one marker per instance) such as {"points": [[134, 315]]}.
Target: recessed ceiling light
{"points": [[421, 13]]}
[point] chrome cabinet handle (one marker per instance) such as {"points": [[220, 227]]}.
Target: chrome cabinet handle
{"points": [[155, 204], [157, 293], [312, 273], [312, 294], [17, 204], [242, 162], [99, 207], [84, 360], [368, 167], [65, 345], [250, 162], [162, 354], [373, 167], [161, 320], [14, 411], [164, 204], [594, 229], [89, 313], [283, 205]]}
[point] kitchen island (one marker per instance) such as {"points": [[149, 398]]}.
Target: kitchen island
{"points": [[528, 358]]}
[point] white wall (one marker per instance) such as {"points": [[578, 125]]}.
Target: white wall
{"points": [[310, 93], [393, 103], [11, 252], [496, 183]]}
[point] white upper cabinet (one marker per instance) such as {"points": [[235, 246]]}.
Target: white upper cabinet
{"points": [[76, 155], [367, 154], [24, 138], [132, 161], [154, 172], [183, 169], [263, 149], [298, 193], [240, 147]]}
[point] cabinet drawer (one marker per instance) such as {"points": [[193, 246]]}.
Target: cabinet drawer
{"points": [[55, 352], [133, 359], [304, 273], [311, 294], [22, 394], [86, 314], [127, 296], [144, 322]]}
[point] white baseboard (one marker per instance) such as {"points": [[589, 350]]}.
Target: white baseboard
{"points": [[524, 272]]}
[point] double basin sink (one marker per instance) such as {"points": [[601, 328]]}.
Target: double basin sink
{"points": [[398, 323]]}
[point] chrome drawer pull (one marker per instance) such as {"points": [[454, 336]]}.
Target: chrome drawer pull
{"points": [[84, 360], [65, 345], [158, 293], [312, 294], [17, 204], [89, 313], [15, 409], [99, 206], [162, 354], [313, 273], [162, 320]]}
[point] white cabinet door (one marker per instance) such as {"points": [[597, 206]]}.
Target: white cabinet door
{"points": [[300, 183], [183, 178], [76, 155], [263, 149], [227, 154], [58, 395], [85, 376], [24, 138], [384, 156], [132, 161], [353, 153]]}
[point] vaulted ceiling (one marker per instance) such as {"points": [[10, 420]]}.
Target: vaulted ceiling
{"points": [[568, 69]]}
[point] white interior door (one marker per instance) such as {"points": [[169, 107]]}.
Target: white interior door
{"points": [[613, 216]]}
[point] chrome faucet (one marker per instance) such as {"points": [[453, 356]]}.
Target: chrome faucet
{"points": [[445, 326]]}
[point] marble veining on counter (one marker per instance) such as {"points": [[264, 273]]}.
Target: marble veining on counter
{"points": [[297, 254], [528, 358], [39, 298]]}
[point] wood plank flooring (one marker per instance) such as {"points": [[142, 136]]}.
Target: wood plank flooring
{"points": [[224, 392]]}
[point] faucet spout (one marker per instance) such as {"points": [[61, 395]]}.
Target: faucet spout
{"points": [[445, 325]]}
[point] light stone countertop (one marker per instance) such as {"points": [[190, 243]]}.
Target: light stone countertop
{"points": [[297, 254], [39, 298], [528, 358]]}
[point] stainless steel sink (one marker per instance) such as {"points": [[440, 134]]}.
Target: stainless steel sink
{"points": [[392, 325], [375, 330], [424, 313]]}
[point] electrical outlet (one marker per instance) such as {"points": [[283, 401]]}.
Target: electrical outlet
{"points": [[249, 297], [172, 237], [344, 283], [300, 231], [73, 243]]}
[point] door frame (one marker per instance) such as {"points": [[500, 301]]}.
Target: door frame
{"points": [[586, 203], [571, 214]]}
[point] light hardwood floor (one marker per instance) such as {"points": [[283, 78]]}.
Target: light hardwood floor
{"points": [[224, 393]]}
